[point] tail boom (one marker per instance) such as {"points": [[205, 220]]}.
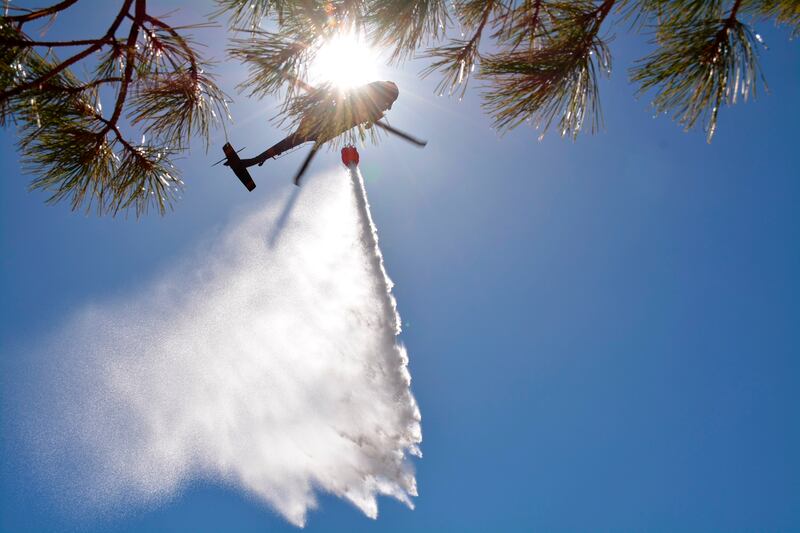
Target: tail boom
{"points": [[277, 149], [240, 166]]}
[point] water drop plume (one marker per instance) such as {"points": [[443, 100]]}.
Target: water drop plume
{"points": [[268, 360]]}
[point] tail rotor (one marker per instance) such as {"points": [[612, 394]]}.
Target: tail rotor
{"points": [[233, 161]]}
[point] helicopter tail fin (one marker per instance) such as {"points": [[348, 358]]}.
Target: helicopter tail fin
{"points": [[238, 168]]}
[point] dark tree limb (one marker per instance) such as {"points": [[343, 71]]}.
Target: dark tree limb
{"points": [[107, 39], [39, 13]]}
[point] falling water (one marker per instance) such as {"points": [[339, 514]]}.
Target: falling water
{"points": [[369, 239], [268, 360]]}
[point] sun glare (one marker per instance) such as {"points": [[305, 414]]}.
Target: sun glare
{"points": [[346, 61]]}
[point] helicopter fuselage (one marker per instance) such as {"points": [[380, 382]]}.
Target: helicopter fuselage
{"points": [[325, 116], [373, 100]]}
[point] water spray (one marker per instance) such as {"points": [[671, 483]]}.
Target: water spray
{"points": [[310, 393], [369, 232]]}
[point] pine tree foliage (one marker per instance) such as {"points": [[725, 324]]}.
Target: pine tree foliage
{"points": [[537, 62], [556, 78], [701, 64], [88, 156], [278, 61], [406, 25], [785, 12]]}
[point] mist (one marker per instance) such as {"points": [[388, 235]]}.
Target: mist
{"points": [[267, 360]]}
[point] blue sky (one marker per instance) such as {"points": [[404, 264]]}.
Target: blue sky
{"points": [[603, 334]]}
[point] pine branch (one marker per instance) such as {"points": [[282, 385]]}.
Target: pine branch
{"points": [[406, 25], [130, 56], [274, 60], [279, 59], [546, 58], [786, 12], [557, 81], [39, 13], [700, 66], [5, 41], [83, 157], [457, 61], [521, 23], [249, 13], [107, 38]]}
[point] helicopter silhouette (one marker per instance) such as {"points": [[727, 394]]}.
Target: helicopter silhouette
{"points": [[322, 122]]}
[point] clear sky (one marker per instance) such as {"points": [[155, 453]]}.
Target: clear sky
{"points": [[603, 334]]}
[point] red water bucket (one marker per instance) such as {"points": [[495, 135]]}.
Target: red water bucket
{"points": [[349, 156]]}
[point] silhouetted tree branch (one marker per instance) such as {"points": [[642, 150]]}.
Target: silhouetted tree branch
{"points": [[89, 158], [539, 62]]}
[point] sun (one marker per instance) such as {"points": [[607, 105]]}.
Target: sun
{"points": [[346, 60]]}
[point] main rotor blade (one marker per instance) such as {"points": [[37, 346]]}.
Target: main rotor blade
{"points": [[305, 164], [224, 158], [401, 134]]}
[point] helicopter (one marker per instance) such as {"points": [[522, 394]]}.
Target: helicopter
{"points": [[366, 104]]}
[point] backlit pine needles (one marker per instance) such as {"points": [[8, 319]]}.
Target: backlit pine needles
{"points": [[156, 89], [538, 62]]}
